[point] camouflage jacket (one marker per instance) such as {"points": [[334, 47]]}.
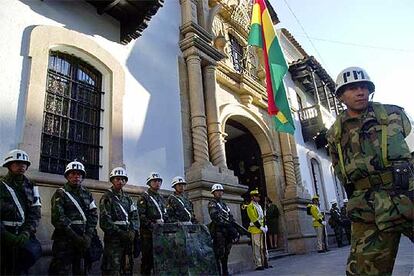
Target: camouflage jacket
{"points": [[9, 212], [112, 218], [220, 213], [148, 210], [64, 211], [179, 208], [361, 145], [361, 142]]}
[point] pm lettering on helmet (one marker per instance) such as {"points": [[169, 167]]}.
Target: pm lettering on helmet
{"points": [[356, 74], [118, 172], [154, 175], [22, 156]]}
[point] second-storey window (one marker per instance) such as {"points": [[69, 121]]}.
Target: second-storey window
{"points": [[236, 54]]}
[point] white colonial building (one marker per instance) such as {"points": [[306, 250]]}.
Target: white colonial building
{"points": [[167, 86]]}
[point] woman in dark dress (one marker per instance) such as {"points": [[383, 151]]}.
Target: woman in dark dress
{"points": [[272, 216]]}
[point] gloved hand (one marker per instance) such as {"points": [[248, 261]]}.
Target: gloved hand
{"points": [[160, 221], [264, 230], [267, 229], [15, 240], [323, 223], [22, 238]]}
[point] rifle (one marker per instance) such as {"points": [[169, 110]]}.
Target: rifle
{"points": [[240, 229], [265, 254]]}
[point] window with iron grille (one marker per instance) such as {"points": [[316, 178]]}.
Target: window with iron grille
{"points": [[236, 54], [71, 117]]}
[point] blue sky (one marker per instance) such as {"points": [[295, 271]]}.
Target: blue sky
{"points": [[381, 34]]}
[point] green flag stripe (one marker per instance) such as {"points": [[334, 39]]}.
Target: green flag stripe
{"points": [[255, 35]]}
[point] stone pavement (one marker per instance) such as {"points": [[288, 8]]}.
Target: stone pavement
{"points": [[333, 263]]}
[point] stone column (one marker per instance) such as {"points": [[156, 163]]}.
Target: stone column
{"points": [[300, 234], [215, 137], [188, 11], [197, 110], [288, 165]]}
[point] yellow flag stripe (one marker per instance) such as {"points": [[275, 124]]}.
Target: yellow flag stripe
{"points": [[268, 29], [281, 117], [256, 16]]}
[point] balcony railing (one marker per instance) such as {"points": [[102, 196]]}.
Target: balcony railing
{"points": [[314, 120]]}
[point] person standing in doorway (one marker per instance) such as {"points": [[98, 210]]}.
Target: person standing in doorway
{"points": [[272, 222]]}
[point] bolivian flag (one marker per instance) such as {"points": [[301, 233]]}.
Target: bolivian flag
{"points": [[262, 34]]}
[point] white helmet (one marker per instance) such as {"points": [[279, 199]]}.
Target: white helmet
{"points": [[153, 176], [120, 172], [178, 180], [352, 75], [217, 187], [75, 166], [345, 200], [16, 155]]}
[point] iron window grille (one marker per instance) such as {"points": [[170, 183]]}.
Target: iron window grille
{"points": [[237, 54], [71, 118]]}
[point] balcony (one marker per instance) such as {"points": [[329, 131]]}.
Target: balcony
{"points": [[315, 120]]}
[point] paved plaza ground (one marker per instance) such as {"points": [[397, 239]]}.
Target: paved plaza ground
{"points": [[333, 263]]}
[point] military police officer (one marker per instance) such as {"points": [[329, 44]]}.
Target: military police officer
{"points": [[74, 216], [179, 208], [120, 223], [257, 229], [372, 160], [19, 215], [318, 223], [151, 208], [221, 228], [335, 222]]}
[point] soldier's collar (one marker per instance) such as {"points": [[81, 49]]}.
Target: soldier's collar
{"points": [[120, 192], [70, 188], [346, 117]]}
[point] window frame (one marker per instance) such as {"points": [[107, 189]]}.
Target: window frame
{"points": [[46, 38]]}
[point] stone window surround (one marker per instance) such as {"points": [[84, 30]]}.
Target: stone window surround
{"points": [[309, 156], [46, 38]]}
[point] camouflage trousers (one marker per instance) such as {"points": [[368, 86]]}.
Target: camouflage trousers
{"points": [[117, 258], [338, 234], [9, 260], [67, 260], [147, 260], [221, 246], [373, 252]]}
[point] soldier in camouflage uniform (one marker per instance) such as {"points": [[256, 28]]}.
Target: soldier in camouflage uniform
{"points": [[221, 228], [179, 208], [74, 216], [335, 222], [19, 215], [120, 223], [372, 160], [151, 208]]}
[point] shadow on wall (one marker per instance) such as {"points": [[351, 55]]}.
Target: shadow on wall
{"points": [[153, 63]]}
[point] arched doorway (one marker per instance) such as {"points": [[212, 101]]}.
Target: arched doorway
{"points": [[244, 158]]}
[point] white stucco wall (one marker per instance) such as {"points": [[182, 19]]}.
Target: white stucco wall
{"points": [[151, 104], [308, 150]]}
